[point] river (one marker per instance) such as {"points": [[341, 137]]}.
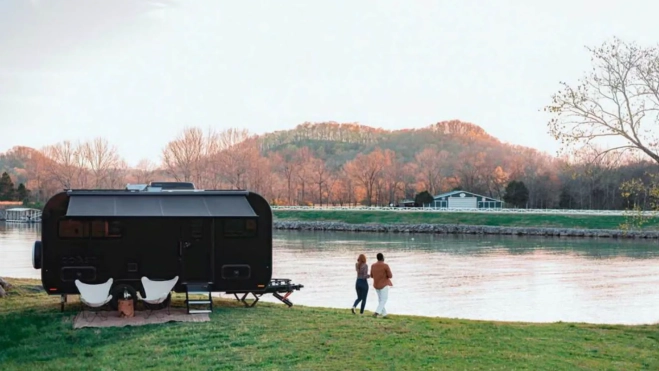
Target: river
{"points": [[504, 278]]}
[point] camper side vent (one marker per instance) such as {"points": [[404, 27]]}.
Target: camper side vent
{"points": [[236, 272]]}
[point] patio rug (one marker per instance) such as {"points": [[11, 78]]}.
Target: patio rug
{"points": [[113, 319]]}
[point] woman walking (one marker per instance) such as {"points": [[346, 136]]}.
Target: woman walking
{"points": [[361, 285]]}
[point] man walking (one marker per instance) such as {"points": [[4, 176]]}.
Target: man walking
{"points": [[381, 274]]}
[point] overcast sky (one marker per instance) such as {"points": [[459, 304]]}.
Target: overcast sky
{"points": [[137, 73]]}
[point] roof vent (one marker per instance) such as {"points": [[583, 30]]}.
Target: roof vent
{"points": [[172, 185], [136, 187]]}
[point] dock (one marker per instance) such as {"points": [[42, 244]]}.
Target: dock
{"points": [[20, 215]]}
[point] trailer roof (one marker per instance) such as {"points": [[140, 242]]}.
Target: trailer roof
{"points": [[159, 204]]}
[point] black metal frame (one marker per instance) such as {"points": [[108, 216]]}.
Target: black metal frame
{"points": [[98, 311], [153, 308], [276, 287]]}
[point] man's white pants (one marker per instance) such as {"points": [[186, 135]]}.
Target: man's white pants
{"points": [[383, 295]]}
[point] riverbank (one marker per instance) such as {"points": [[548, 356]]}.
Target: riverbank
{"points": [[605, 226], [611, 222], [463, 229], [273, 337]]}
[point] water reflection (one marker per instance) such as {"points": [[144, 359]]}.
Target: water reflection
{"points": [[16, 242], [477, 277]]}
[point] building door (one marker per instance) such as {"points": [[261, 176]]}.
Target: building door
{"points": [[462, 203], [196, 250]]}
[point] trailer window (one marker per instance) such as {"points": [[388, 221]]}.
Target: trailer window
{"points": [[71, 228], [243, 227]]}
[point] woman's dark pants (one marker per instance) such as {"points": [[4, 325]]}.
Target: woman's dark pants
{"points": [[362, 291]]}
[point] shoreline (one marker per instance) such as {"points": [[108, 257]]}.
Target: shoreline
{"points": [[223, 298], [466, 229], [273, 336]]}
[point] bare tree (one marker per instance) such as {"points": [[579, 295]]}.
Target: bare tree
{"points": [[432, 164], [220, 152], [301, 160], [67, 164], [394, 173], [319, 175], [618, 100], [145, 171], [281, 164], [230, 137], [182, 157], [103, 161], [366, 170]]}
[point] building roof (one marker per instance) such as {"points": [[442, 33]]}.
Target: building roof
{"points": [[471, 193]]}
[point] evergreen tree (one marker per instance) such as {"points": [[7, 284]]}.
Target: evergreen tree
{"points": [[423, 198], [22, 193], [516, 194], [6, 187]]}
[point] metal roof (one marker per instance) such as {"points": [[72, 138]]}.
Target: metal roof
{"points": [[456, 192], [159, 204]]}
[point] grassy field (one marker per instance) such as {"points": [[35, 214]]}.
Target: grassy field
{"points": [[504, 220], [35, 335]]}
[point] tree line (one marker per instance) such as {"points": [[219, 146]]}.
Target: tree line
{"points": [[312, 168]]}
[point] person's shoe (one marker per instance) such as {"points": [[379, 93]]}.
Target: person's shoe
{"points": [[353, 310], [375, 315]]}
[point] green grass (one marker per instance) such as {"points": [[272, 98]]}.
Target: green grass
{"points": [[35, 335], [503, 220]]}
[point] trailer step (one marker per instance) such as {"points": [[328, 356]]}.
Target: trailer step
{"points": [[195, 311], [198, 288], [199, 302]]}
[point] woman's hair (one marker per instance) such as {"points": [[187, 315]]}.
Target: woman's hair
{"points": [[360, 260]]}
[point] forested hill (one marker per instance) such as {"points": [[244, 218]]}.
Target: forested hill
{"points": [[341, 142]]}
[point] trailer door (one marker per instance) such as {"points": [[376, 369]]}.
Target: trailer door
{"points": [[196, 250]]}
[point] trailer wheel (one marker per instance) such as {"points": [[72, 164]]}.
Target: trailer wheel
{"points": [[36, 255], [118, 293]]}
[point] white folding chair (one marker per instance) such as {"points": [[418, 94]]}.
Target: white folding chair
{"points": [[156, 293], [94, 296]]}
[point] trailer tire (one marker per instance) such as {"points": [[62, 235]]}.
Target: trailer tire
{"points": [[37, 255], [117, 292]]}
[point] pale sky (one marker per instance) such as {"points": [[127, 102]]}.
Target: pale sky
{"points": [[76, 69]]}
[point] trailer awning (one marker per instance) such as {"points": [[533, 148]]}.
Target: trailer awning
{"points": [[159, 206]]}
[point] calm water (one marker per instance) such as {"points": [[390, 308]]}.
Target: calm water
{"points": [[495, 278]]}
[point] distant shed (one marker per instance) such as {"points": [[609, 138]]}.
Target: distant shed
{"points": [[464, 200]]}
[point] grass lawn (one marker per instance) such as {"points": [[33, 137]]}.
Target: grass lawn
{"points": [[504, 220], [35, 335]]}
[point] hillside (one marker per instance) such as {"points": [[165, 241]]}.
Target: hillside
{"points": [[342, 142]]}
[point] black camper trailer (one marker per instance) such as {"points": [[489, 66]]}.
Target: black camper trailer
{"points": [[215, 241]]}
